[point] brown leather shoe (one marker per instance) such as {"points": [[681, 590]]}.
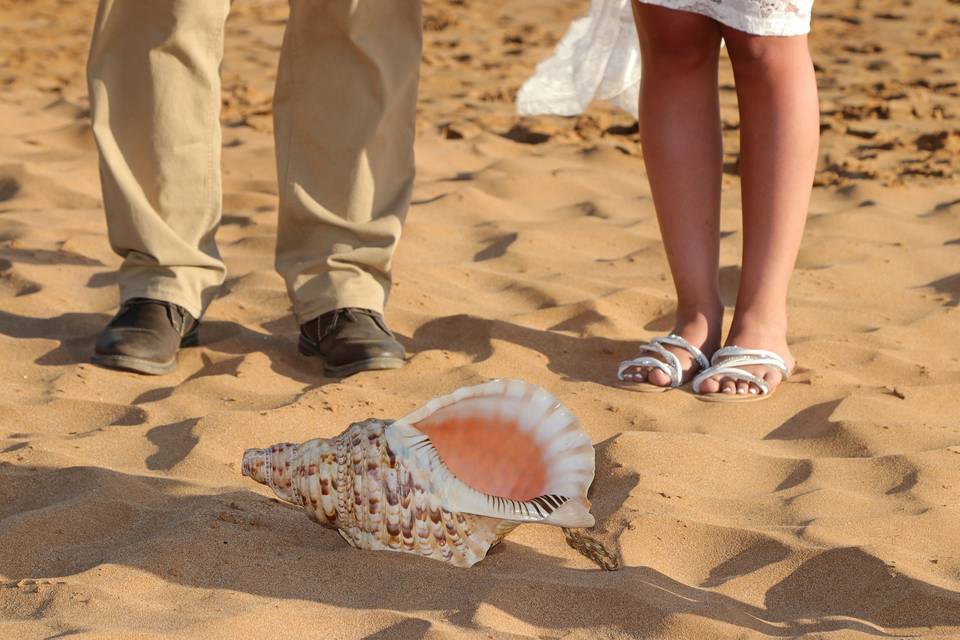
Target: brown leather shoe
{"points": [[144, 337], [350, 341]]}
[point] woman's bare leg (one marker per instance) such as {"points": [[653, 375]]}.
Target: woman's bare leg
{"points": [[682, 149], [779, 138]]}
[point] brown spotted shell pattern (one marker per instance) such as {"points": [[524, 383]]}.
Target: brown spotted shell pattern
{"points": [[447, 482]]}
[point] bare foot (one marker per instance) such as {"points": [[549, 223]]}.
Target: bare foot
{"points": [[700, 330], [750, 335]]}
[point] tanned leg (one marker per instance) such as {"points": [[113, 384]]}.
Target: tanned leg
{"points": [[682, 148], [779, 132]]}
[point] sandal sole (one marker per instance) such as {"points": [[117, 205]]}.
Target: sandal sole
{"points": [[720, 398], [646, 387]]}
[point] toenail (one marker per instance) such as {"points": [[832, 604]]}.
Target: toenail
{"points": [[741, 391], [753, 391], [728, 390]]}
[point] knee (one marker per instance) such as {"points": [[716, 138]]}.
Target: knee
{"points": [[678, 51], [765, 56]]}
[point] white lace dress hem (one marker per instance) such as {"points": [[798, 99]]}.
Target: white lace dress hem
{"points": [[599, 57], [760, 18]]}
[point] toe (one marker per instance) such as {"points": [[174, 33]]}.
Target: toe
{"points": [[710, 385], [639, 375], [658, 378], [742, 388], [631, 374], [773, 378], [728, 386]]}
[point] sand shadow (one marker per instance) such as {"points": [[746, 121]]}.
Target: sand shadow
{"points": [[612, 485], [496, 247], [179, 533], [752, 559], [277, 341], [409, 629], [228, 367], [800, 473], [812, 422], [586, 359], [48, 257], [103, 279], [949, 287], [174, 443], [77, 332], [850, 582]]}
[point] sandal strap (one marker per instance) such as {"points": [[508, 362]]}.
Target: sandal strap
{"points": [[728, 362], [670, 365], [648, 362], [731, 372], [769, 358], [677, 341]]}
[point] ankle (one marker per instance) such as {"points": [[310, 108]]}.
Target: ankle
{"points": [[768, 325], [709, 311], [702, 327]]}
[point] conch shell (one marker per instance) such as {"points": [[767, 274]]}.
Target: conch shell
{"points": [[447, 482]]}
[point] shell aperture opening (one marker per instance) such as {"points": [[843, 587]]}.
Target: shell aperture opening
{"points": [[483, 443]]}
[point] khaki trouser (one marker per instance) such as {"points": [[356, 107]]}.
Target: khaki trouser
{"points": [[345, 109]]}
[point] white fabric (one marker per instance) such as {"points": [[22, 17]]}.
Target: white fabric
{"points": [[599, 58], [759, 17]]}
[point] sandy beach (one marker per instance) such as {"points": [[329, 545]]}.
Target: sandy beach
{"points": [[531, 251]]}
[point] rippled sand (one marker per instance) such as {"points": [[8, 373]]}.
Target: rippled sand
{"points": [[531, 251]]}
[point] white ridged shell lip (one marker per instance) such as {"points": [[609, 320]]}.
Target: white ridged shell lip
{"points": [[555, 428]]}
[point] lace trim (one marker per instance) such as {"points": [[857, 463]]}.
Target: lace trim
{"points": [[759, 17], [599, 57]]}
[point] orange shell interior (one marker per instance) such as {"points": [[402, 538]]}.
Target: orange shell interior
{"points": [[491, 455]]}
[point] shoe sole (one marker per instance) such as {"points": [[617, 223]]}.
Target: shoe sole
{"points": [[141, 365], [382, 363]]}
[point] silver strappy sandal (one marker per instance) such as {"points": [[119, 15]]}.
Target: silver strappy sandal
{"points": [[670, 364], [728, 362]]}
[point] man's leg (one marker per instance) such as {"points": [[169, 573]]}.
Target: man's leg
{"points": [[155, 102], [345, 125]]}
